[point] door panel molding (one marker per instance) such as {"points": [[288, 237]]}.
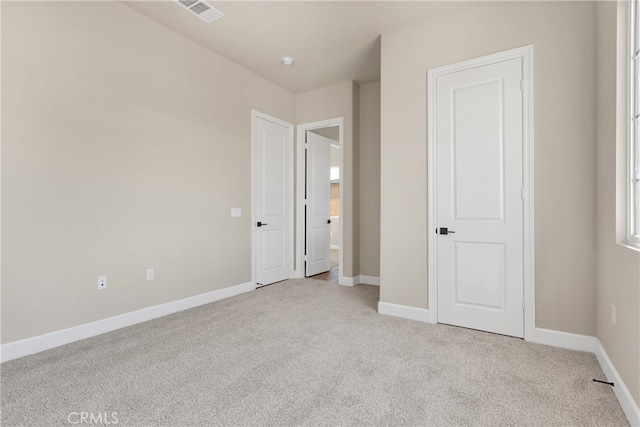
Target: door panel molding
{"points": [[524, 53]]}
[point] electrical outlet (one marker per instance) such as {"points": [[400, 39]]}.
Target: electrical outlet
{"points": [[102, 282], [613, 314], [149, 273]]}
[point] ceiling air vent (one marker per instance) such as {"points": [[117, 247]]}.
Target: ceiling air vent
{"points": [[201, 9]]}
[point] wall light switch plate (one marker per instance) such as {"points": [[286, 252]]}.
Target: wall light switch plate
{"points": [[102, 282], [149, 273], [236, 212]]}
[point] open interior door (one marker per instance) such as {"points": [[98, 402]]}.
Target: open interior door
{"points": [[318, 212]]}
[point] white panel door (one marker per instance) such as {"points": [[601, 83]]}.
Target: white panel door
{"points": [[479, 198], [273, 204], [318, 231]]}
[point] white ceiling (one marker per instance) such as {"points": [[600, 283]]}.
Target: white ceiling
{"points": [[331, 41]]}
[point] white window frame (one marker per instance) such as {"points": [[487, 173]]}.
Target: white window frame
{"points": [[633, 140]]}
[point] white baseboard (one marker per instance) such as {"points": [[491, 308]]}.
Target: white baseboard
{"points": [[347, 281], [369, 280], [565, 340], [629, 406], [25, 347], [593, 345], [359, 280], [404, 311]]}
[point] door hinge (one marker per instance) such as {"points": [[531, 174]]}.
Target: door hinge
{"points": [[522, 193], [306, 258], [523, 303], [521, 85]]}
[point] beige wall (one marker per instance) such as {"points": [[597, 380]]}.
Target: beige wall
{"points": [[340, 100], [370, 179], [332, 132], [618, 268], [124, 147], [563, 35], [360, 107], [114, 162]]}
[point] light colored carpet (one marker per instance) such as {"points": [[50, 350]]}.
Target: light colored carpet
{"points": [[306, 352]]}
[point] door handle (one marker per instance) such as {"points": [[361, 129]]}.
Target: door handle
{"points": [[444, 231], [328, 221], [260, 224]]}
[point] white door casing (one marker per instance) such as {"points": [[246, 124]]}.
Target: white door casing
{"points": [[272, 216], [480, 180], [318, 212]]}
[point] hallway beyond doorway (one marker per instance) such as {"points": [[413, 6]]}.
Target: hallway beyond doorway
{"points": [[334, 273]]}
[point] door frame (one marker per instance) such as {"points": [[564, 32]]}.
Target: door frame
{"points": [[525, 53], [255, 115], [300, 182]]}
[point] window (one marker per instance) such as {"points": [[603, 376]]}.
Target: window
{"points": [[335, 173], [633, 200]]}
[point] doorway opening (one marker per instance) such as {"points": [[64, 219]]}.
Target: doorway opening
{"points": [[319, 251], [333, 275]]}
